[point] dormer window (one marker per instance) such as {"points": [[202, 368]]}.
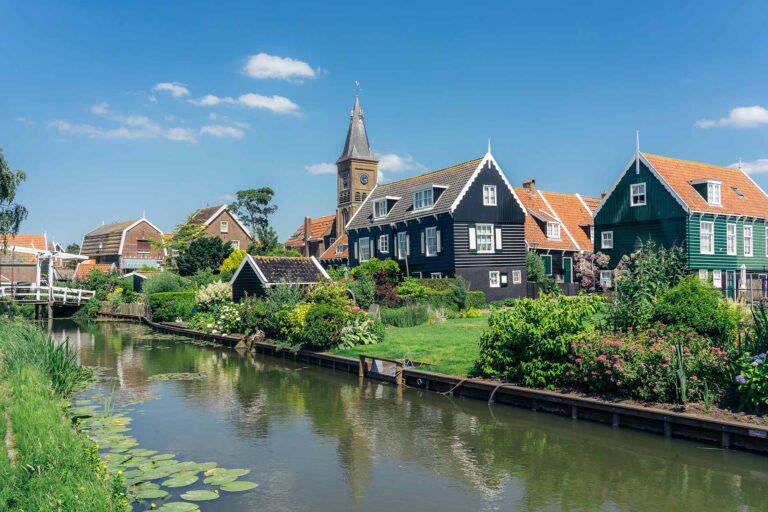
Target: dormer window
{"points": [[713, 193], [423, 199], [553, 230], [340, 248], [637, 194], [380, 208]]}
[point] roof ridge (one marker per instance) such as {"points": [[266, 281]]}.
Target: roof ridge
{"points": [[428, 173], [696, 162]]}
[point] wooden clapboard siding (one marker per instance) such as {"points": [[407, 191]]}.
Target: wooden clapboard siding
{"points": [[721, 260], [512, 251]]}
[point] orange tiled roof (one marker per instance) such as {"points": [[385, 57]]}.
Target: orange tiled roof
{"points": [[331, 254], [319, 227], [22, 240], [574, 219], [85, 268], [678, 174], [592, 202]]}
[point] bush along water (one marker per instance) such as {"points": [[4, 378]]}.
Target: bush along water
{"points": [[752, 382]]}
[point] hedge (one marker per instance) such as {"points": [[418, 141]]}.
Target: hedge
{"points": [[444, 298], [476, 299], [167, 306]]}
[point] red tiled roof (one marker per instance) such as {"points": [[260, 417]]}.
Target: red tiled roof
{"points": [[85, 268], [573, 216], [331, 254], [319, 227], [679, 174], [21, 240]]}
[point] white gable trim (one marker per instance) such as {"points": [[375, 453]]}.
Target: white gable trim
{"points": [[584, 204], [487, 158], [225, 208], [320, 268], [562, 224], [360, 208], [249, 261], [143, 219], [654, 172]]}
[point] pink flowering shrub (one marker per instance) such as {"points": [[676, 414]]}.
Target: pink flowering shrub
{"points": [[641, 364]]}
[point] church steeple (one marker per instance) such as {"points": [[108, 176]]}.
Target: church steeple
{"points": [[357, 147]]}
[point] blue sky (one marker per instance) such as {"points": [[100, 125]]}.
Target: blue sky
{"points": [[559, 87]]}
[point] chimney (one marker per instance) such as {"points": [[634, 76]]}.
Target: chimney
{"points": [[603, 194], [530, 185], [307, 234]]}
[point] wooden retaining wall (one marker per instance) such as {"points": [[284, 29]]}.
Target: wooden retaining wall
{"points": [[727, 434]]}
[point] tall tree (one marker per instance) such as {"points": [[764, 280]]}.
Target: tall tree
{"points": [[203, 253], [253, 206], [11, 214]]}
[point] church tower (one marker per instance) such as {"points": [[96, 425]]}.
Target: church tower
{"points": [[357, 169]]}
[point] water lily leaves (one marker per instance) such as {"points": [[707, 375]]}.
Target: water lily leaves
{"points": [[150, 494], [134, 473], [220, 479], [181, 480], [141, 486], [177, 376], [154, 474], [205, 466], [199, 495], [163, 456], [238, 486], [179, 506], [224, 471], [142, 452]]}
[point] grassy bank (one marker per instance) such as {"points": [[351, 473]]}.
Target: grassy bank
{"points": [[44, 463], [450, 347]]}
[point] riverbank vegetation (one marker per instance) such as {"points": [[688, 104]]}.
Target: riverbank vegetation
{"points": [[45, 464]]}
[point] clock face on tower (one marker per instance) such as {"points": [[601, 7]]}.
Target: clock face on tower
{"points": [[364, 179]]}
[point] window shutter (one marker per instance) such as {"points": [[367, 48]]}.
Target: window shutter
{"points": [[423, 249], [373, 245], [355, 249], [504, 279], [396, 249], [408, 244], [498, 239], [472, 238], [440, 241]]}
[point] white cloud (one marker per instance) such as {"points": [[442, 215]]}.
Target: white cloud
{"points": [[25, 121], [759, 166], [100, 108], [132, 127], [225, 197], [221, 131], [263, 65], [739, 117], [394, 163], [321, 168], [180, 134], [176, 89], [276, 104]]}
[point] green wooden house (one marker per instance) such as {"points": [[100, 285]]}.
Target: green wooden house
{"points": [[718, 214]]}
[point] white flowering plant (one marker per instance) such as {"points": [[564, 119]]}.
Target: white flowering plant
{"points": [[213, 295], [228, 320]]}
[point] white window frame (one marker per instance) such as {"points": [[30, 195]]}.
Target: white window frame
{"points": [[766, 240], [731, 238], [235, 244], [553, 230], [714, 193], [489, 195], [748, 247], [606, 279], [384, 244], [636, 192], [606, 242], [431, 245], [364, 249], [377, 204], [703, 275], [517, 276], [224, 226], [717, 279], [420, 199], [494, 279], [436, 275], [707, 245], [402, 245], [339, 248], [592, 233], [484, 245]]}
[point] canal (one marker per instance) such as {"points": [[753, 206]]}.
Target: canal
{"points": [[318, 440]]}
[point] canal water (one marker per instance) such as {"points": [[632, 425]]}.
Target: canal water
{"points": [[319, 440]]}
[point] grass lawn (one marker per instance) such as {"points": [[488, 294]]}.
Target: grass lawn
{"points": [[450, 347]]}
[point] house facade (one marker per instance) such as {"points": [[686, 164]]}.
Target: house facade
{"points": [[719, 215], [219, 221], [130, 245], [314, 236], [558, 227], [461, 221]]}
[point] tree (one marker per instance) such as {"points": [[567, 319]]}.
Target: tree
{"points": [[534, 267], [11, 214], [203, 253], [72, 248], [588, 266], [253, 206], [184, 234]]}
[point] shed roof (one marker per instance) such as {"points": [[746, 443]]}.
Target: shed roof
{"points": [[273, 270]]}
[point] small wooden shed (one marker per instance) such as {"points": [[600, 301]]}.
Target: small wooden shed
{"points": [[257, 273]]}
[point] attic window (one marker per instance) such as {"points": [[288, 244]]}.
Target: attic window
{"points": [[380, 208], [637, 194], [423, 199], [738, 191], [553, 230], [713, 193]]}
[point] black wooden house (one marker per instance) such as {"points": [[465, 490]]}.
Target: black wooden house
{"points": [[257, 273], [461, 221]]}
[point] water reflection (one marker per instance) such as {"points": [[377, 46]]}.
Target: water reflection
{"points": [[320, 440]]}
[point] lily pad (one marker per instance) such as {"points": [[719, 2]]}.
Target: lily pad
{"points": [[154, 474], [199, 495], [238, 486], [177, 376], [179, 506], [163, 456], [220, 479], [151, 494], [181, 480], [142, 452], [225, 471]]}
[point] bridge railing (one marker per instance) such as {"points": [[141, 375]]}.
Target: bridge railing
{"points": [[32, 293]]}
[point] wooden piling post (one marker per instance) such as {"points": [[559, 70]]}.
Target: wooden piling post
{"points": [[726, 440], [361, 367], [667, 428], [615, 419], [574, 412]]}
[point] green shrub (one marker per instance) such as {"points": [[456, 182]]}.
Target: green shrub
{"points": [[381, 271], [322, 327], [752, 383], [459, 292], [643, 364], [364, 289], [441, 299], [476, 299], [202, 321], [438, 284], [270, 313], [204, 277], [164, 282], [412, 289], [699, 306], [330, 294], [233, 261], [213, 295], [361, 330], [470, 313], [529, 343], [410, 315], [168, 306]]}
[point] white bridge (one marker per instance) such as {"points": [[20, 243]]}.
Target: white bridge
{"points": [[34, 294]]}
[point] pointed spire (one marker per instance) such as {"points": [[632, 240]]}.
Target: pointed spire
{"points": [[637, 152], [356, 145], [489, 145]]}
